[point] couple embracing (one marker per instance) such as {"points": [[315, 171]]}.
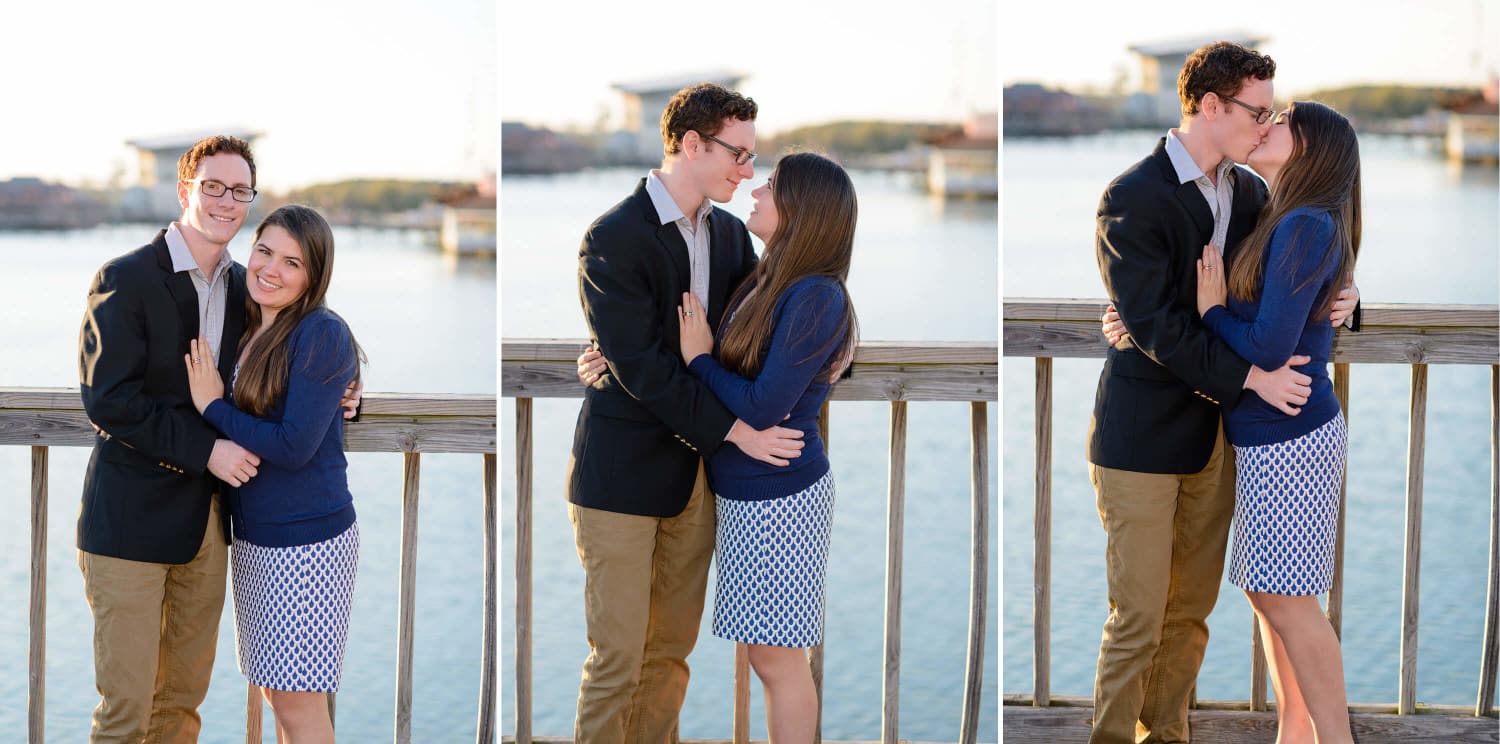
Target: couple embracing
{"points": [[698, 434], [1215, 400], [178, 466]]}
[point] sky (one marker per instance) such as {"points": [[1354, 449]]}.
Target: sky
{"points": [[1315, 44], [379, 88], [806, 61]]}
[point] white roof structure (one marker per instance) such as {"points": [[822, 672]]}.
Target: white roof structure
{"points": [[183, 140], [672, 83], [1185, 45]]}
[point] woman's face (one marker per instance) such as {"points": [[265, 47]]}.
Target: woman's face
{"points": [[1273, 153], [763, 218], [277, 270]]}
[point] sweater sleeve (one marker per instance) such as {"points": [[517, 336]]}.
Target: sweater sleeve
{"points": [[321, 366], [1295, 275], [801, 342]]}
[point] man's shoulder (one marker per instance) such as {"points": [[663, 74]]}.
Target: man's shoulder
{"points": [[623, 219], [135, 264], [1141, 178]]}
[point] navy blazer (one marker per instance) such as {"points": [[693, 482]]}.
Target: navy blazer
{"points": [[147, 490], [647, 421]]}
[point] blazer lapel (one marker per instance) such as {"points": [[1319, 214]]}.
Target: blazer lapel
{"points": [[180, 287], [1245, 211], [1192, 199], [671, 241]]}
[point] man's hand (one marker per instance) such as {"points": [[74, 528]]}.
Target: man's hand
{"points": [[1113, 328], [232, 463], [591, 364], [777, 445], [1284, 388], [1344, 304], [352, 396]]}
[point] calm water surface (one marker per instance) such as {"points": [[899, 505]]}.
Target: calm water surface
{"points": [[427, 326], [1430, 235], [922, 270]]}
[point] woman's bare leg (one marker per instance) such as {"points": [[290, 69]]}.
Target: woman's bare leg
{"points": [[1312, 650], [303, 716], [1293, 724], [791, 700]]}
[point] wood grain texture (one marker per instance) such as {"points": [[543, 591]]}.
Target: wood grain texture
{"points": [[869, 352], [1257, 666], [894, 527], [979, 567], [1393, 345], [741, 694], [1373, 314], [815, 654], [406, 623], [1041, 589], [1490, 653], [36, 676], [1026, 725], [253, 714], [1412, 557], [524, 507], [868, 382], [489, 640]]}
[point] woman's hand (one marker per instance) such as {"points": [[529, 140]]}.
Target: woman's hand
{"points": [[693, 335], [591, 364], [203, 377], [1211, 288]]}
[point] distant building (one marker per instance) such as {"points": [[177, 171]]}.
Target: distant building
{"points": [[33, 204], [1473, 133], [645, 100], [965, 162], [525, 149], [155, 197], [1032, 111], [1157, 104]]}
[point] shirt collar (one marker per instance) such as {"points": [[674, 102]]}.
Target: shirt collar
{"points": [[182, 256], [666, 207], [1182, 162]]}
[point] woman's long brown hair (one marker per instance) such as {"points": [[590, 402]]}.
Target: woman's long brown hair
{"points": [[1322, 172], [263, 374], [816, 211]]}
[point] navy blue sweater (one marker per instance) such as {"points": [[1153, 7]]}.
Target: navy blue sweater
{"points": [[301, 494], [1298, 274], [793, 379]]}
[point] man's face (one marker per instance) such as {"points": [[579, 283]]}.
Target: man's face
{"points": [[1233, 125], [715, 172], [215, 219]]}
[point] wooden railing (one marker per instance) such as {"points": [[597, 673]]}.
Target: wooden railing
{"points": [[894, 372], [409, 424], [1418, 335]]}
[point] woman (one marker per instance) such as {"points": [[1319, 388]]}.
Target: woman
{"points": [[1280, 286], [788, 325], [296, 542]]}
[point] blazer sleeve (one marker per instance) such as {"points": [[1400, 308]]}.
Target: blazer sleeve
{"points": [[1297, 271], [321, 366], [620, 306], [801, 343], [1138, 272], [113, 358]]}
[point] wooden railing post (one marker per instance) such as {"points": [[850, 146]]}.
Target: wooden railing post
{"points": [[1257, 666], [485, 732], [815, 654], [741, 694], [1412, 563], [36, 679], [1490, 654], [1041, 611], [523, 570], [895, 520], [979, 540], [406, 624], [1336, 591], [253, 714]]}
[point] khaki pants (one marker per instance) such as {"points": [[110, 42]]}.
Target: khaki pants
{"points": [[645, 579], [1164, 562], [155, 630]]}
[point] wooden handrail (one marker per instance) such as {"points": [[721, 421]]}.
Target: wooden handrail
{"points": [[390, 422], [1414, 334], [896, 372]]}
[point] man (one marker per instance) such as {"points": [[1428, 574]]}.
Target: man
{"points": [[1158, 460], [642, 514], [152, 533]]}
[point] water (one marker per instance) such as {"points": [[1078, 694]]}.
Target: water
{"points": [[922, 270], [1430, 235], [395, 291]]}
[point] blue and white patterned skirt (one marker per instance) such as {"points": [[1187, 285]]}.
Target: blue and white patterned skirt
{"points": [[291, 611], [1286, 510], [772, 559]]}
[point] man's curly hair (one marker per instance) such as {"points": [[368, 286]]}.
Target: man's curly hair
{"points": [[187, 165], [1219, 68], [701, 108]]}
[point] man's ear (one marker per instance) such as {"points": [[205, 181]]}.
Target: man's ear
{"points": [[182, 193], [692, 145], [1210, 108]]}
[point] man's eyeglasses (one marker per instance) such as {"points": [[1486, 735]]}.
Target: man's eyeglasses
{"points": [[1262, 115], [741, 155], [215, 188]]}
